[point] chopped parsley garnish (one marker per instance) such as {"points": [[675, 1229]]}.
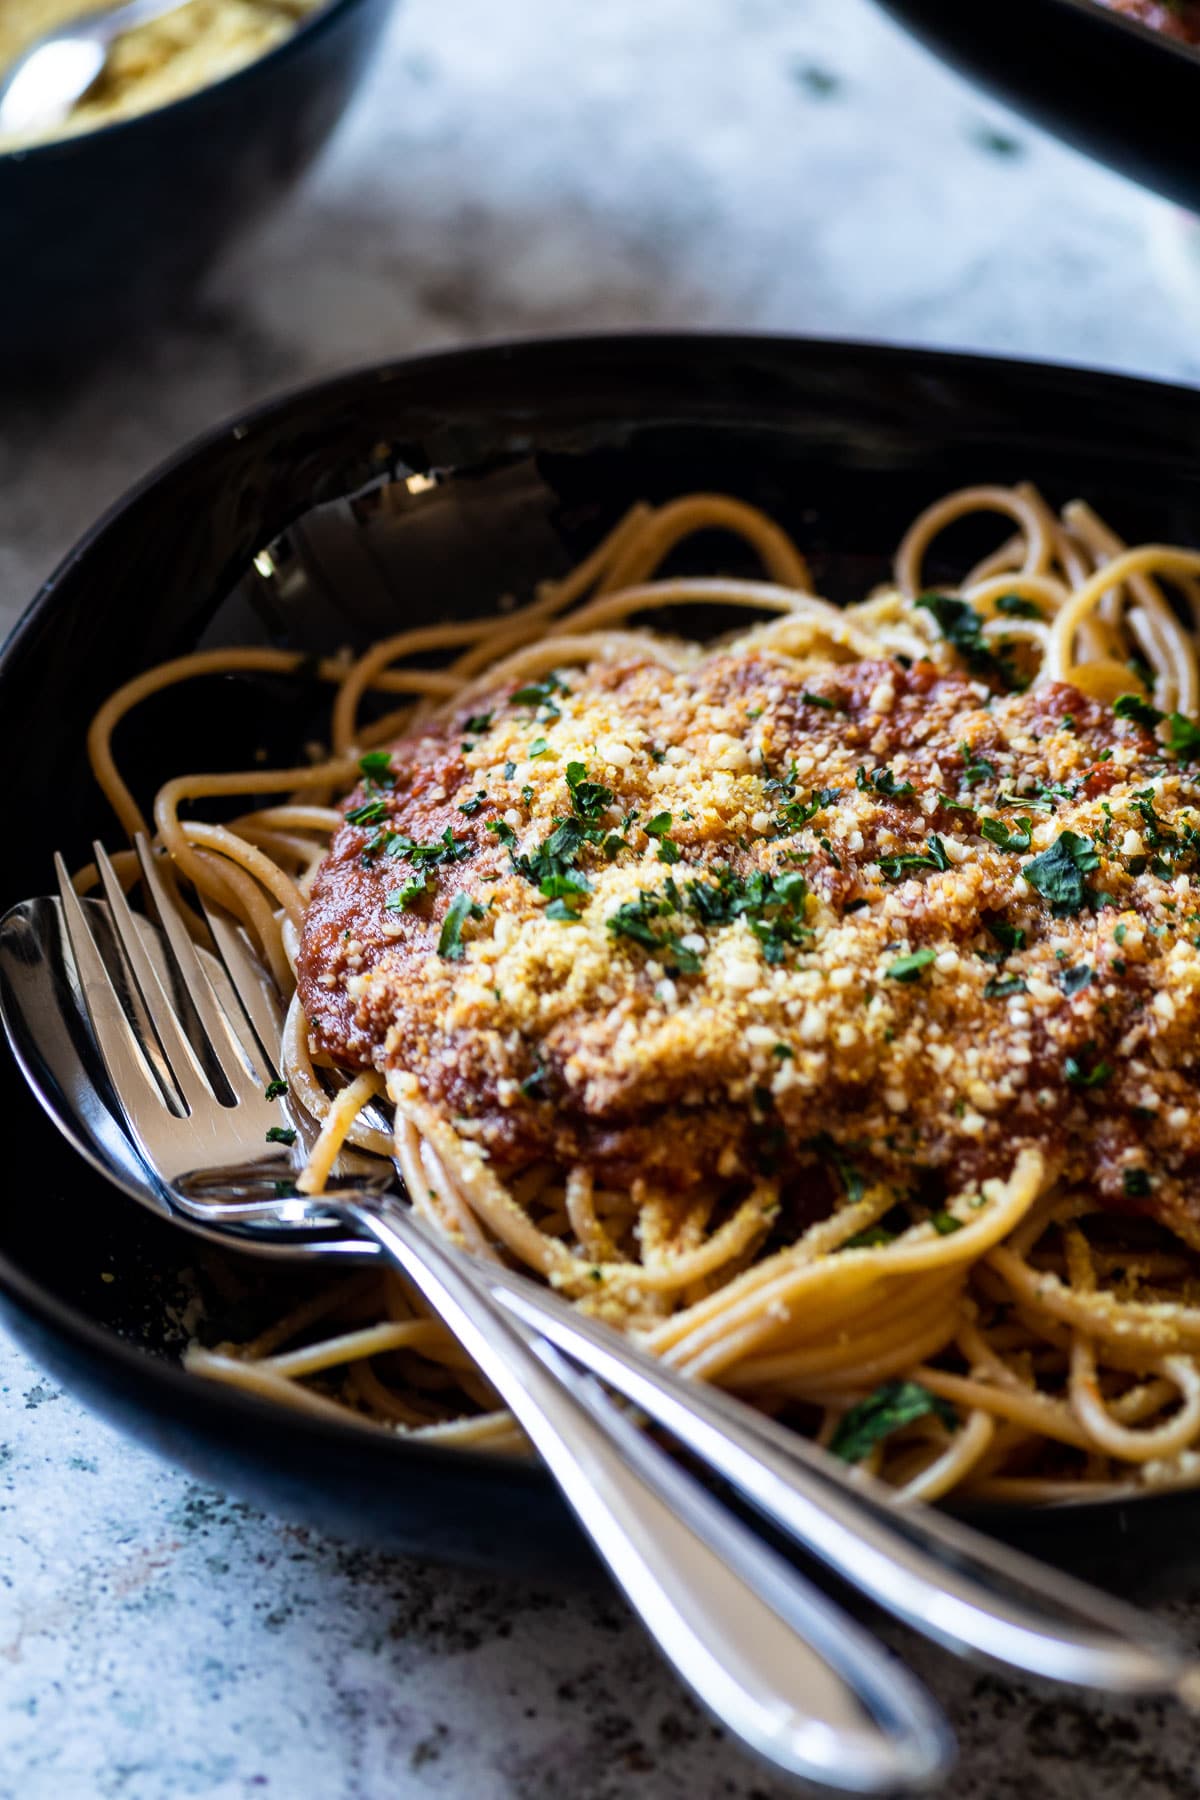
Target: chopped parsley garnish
{"points": [[1058, 873], [976, 769], [635, 919], [1015, 607], [1079, 1077], [1183, 738], [882, 782], [870, 1239], [534, 1085], [962, 627], [822, 700], [998, 833], [476, 804], [559, 886], [1040, 802], [1000, 987], [562, 913], [895, 866], [892, 1406], [1136, 1183], [908, 968], [540, 694], [510, 769], [944, 1223], [461, 908], [853, 1185], [446, 849], [658, 827], [784, 1052], [401, 898], [1073, 981], [538, 748], [280, 1134], [1132, 706], [772, 905], [478, 721], [275, 1090], [1011, 936], [371, 812], [793, 815], [376, 765], [588, 798]]}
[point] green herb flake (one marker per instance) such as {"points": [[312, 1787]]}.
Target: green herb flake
{"points": [[908, 968], [469, 808], [401, 898], [895, 866], [1073, 981], [1058, 873], [1132, 706], [376, 765], [588, 798], [1136, 1183], [371, 812], [1014, 606], [962, 627], [976, 769], [1079, 1077], [1183, 737], [873, 1238], [997, 832], [280, 1134], [883, 782], [275, 1090], [822, 700], [539, 747], [1001, 987], [891, 1407], [945, 1223], [461, 908]]}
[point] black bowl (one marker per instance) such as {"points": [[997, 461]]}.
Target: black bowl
{"points": [[538, 448], [102, 232], [1114, 88]]}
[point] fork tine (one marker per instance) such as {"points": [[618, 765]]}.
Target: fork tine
{"points": [[129, 1063], [229, 1053], [253, 986], [185, 1065]]}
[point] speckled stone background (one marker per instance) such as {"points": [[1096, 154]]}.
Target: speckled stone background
{"points": [[786, 164]]}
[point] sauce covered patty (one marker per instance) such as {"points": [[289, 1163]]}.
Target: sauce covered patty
{"points": [[873, 923]]}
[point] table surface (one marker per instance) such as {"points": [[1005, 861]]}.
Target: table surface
{"points": [[792, 165]]}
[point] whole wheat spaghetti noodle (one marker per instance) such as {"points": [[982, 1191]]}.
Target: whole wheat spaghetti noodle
{"points": [[818, 1004]]}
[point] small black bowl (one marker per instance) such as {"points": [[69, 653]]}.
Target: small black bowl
{"points": [[1114, 88], [538, 448], [101, 232]]}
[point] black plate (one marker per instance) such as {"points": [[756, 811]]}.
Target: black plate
{"points": [[1114, 88], [538, 448], [104, 231]]}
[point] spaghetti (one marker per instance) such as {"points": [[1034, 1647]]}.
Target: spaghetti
{"points": [[817, 1004]]}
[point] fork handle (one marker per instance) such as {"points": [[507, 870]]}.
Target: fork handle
{"points": [[781, 1666], [950, 1583]]}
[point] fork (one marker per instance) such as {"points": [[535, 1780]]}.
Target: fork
{"points": [[775, 1660], [963, 1590]]}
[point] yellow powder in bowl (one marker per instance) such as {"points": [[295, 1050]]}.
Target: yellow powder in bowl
{"points": [[196, 44]]}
